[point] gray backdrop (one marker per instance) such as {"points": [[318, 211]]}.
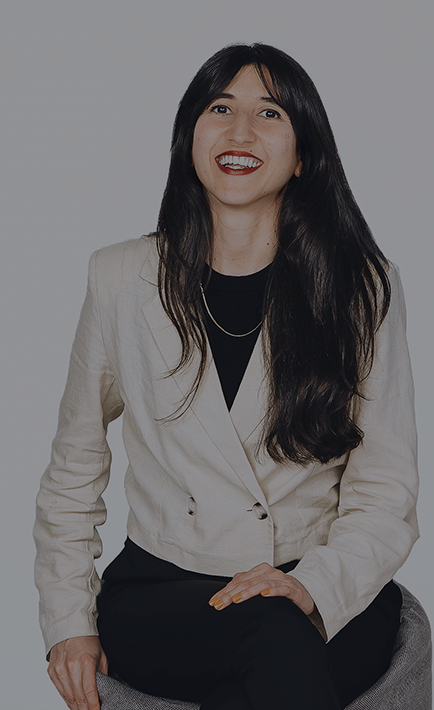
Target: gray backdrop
{"points": [[89, 92]]}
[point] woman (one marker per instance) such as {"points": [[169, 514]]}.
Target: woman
{"points": [[256, 345]]}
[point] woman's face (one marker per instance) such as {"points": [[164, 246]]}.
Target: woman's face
{"points": [[244, 146]]}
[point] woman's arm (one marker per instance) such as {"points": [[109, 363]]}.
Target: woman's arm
{"points": [[377, 525], [69, 504]]}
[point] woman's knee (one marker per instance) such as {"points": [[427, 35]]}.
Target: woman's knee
{"points": [[274, 621]]}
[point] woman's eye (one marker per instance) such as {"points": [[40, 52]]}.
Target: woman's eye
{"points": [[270, 113], [219, 108]]}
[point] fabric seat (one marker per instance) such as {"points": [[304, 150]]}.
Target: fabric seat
{"points": [[406, 685]]}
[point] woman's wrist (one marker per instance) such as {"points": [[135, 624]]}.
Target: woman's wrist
{"points": [[316, 619]]}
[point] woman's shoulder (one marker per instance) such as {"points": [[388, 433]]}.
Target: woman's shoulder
{"points": [[391, 335], [125, 262], [134, 251], [397, 301], [392, 271]]}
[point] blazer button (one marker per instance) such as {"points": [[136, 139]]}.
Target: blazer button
{"points": [[191, 506], [259, 511]]}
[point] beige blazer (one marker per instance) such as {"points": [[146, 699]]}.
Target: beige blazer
{"points": [[198, 497]]}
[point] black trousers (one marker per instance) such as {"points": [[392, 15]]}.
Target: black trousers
{"points": [[161, 636]]}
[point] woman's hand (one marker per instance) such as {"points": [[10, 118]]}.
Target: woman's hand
{"points": [[267, 581], [72, 668]]}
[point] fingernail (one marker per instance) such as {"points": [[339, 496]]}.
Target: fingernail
{"points": [[211, 602], [237, 598], [265, 592], [218, 605]]}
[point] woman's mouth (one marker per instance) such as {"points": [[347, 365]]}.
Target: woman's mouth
{"points": [[238, 163]]}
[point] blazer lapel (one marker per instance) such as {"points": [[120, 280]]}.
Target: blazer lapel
{"points": [[209, 407], [211, 411], [249, 407]]}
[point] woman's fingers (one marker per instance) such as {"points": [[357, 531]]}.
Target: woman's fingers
{"points": [[72, 669], [89, 688], [293, 590], [77, 686], [103, 663], [240, 580], [243, 580], [249, 589], [266, 581]]}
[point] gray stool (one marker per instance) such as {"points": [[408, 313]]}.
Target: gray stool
{"points": [[406, 685]]}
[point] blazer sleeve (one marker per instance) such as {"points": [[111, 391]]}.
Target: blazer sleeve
{"points": [[376, 525], [69, 503]]}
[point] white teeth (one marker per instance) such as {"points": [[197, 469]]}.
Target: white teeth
{"points": [[239, 160]]}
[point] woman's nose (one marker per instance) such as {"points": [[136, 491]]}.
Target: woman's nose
{"points": [[241, 130]]}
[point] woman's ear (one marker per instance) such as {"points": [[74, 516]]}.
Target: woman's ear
{"points": [[298, 169]]}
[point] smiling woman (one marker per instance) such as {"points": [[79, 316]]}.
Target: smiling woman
{"points": [[256, 345], [245, 135]]}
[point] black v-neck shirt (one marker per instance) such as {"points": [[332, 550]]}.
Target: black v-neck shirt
{"points": [[236, 303]]}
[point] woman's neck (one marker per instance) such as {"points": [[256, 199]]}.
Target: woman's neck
{"points": [[244, 241]]}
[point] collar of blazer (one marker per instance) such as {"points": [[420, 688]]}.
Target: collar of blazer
{"points": [[230, 431]]}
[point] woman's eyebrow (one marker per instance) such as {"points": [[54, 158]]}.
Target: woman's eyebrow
{"points": [[269, 100], [226, 95]]}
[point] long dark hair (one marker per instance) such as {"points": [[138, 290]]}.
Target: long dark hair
{"points": [[328, 289]]}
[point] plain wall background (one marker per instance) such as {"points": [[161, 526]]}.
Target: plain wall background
{"points": [[89, 92]]}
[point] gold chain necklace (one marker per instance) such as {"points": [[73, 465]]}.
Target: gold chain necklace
{"points": [[233, 335]]}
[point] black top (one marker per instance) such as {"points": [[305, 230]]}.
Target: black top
{"points": [[236, 304]]}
